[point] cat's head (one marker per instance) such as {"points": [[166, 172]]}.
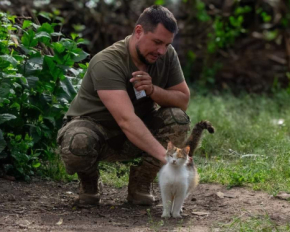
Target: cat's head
{"points": [[176, 156]]}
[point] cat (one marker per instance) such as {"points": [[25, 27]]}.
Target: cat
{"points": [[178, 177]]}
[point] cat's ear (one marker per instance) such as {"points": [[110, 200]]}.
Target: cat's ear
{"points": [[170, 146], [186, 150]]}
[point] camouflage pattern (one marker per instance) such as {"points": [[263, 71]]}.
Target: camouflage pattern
{"points": [[83, 142]]}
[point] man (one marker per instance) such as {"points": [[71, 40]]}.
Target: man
{"points": [[109, 121]]}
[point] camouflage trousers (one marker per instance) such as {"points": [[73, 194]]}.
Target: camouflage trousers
{"points": [[84, 143]]}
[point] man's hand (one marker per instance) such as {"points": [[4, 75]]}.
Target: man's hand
{"points": [[142, 81]]}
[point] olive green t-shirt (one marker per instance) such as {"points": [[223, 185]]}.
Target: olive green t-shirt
{"points": [[111, 69]]}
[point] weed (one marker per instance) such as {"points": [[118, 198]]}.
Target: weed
{"points": [[154, 225]]}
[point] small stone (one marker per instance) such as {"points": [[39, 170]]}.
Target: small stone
{"points": [[220, 195], [228, 195], [283, 196]]}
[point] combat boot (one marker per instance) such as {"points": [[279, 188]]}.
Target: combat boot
{"points": [[91, 188], [140, 188]]}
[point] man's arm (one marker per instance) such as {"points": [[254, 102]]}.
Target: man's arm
{"points": [[121, 108], [175, 96]]}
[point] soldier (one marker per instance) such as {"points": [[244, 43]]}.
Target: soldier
{"points": [[132, 101]]}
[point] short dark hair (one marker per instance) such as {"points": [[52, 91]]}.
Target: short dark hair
{"points": [[154, 15]]}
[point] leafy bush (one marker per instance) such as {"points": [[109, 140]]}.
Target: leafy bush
{"points": [[38, 79]]}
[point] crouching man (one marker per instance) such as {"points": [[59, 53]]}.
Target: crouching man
{"points": [[130, 104]]}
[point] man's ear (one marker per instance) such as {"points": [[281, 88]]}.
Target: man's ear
{"points": [[139, 31]]}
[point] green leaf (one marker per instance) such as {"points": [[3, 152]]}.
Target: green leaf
{"points": [[18, 137], [80, 56], [46, 27], [4, 90], [26, 23], [48, 61], [43, 37], [6, 60], [45, 15], [2, 142], [12, 18], [74, 35], [66, 91], [36, 164], [32, 81], [36, 60], [51, 120], [58, 47], [56, 34], [68, 44], [83, 66], [15, 105], [79, 27], [6, 117], [28, 39], [74, 71], [82, 41], [42, 34]]}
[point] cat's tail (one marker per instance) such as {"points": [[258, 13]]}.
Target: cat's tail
{"points": [[196, 134]]}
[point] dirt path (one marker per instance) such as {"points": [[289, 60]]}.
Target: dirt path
{"points": [[48, 206]]}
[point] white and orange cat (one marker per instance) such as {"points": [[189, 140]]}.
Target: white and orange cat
{"points": [[179, 176]]}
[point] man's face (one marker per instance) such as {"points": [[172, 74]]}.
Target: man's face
{"points": [[152, 45]]}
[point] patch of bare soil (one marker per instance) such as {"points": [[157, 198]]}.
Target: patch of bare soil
{"points": [[49, 206]]}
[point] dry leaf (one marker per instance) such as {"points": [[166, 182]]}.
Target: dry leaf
{"points": [[59, 222], [200, 213]]}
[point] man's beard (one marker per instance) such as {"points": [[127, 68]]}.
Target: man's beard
{"points": [[141, 57]]}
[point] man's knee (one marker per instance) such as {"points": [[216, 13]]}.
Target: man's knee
{"points": [[79, 148], [175, 126]]}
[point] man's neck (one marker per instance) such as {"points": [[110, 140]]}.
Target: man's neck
{"points": [[133, 53]]}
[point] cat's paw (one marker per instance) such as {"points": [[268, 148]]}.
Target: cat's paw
{"points": [[166, 215], [177, 215]]}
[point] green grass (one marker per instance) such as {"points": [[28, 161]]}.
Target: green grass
{"points": [[249, 146], [253, 224], [116, 174]]}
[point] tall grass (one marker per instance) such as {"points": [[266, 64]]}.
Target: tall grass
{"points": [[251, 146]]}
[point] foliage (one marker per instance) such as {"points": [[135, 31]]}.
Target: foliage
{"points": [[38, 79], [220, 32], [227, 29]]}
